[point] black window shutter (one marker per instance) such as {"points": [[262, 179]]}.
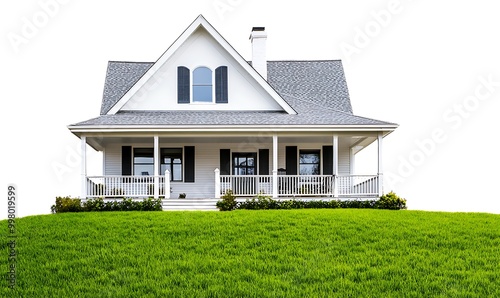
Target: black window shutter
{"points": [[126, 160], [291, 160], [327, 160], [263, 161], [189, 164], [221, 85], [183, 84], [225, 162]]}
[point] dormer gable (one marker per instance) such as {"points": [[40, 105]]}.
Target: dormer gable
{"points": [[201, 71]]}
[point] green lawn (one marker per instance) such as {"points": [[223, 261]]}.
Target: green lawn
{"points": [[275, 253]]}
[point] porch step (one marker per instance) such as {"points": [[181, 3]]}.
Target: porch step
{"points": [[189, 204]]}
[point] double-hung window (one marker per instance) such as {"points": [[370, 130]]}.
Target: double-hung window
{"points": [[202, 85], [309, 162], [143, 162], [171, 160], [206, 85]]}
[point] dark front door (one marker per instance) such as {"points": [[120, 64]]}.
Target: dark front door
{"points": [[244, 164]]}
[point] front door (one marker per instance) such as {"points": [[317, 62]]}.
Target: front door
{"points": [[244, 164]]}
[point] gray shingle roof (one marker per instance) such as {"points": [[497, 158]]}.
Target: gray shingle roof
{"points": [[318, 82], [186, 118], [317, 90], [120, 77]]}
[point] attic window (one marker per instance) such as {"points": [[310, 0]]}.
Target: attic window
{"points": [[203, 79], [202, 85]]}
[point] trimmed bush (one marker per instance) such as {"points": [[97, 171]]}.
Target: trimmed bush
{"points": [[391, 201], [228, 201], [94, 205], [67, 204], [151, 204], [264, 203]]}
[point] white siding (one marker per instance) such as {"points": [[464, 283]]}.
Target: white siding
{"points": [[113, 160], [207, 160], [344, 161]]}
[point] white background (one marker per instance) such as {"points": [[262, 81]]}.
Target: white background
{"points": [[409, 62]]}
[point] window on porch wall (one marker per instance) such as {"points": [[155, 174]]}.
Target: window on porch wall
{"points": [[309, 162], [143, 161], [244, 164], [170, 158]]}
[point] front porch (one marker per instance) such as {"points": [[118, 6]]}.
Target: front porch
{"points": [[301, 165]]}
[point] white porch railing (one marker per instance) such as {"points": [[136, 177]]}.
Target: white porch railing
{"points": [[126, 186], [243, 186], [300, 185], [305, 185], [246, 185], [358, 185]]}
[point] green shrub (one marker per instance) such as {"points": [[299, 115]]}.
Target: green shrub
{"points": [[391, 201], [112, 206], [94, 205], [228, 201], [66, 204], [334, 204], [151, 204], [261, 202], [128, 205], [264, 202]]}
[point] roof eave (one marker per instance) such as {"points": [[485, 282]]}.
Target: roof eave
{"points": [[81, 129]]}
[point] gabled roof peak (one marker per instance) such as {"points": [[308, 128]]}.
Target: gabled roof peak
{"points": [[200, 21]]}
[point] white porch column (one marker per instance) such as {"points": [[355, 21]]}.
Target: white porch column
{"points": [[335, 170], [167, 184], [156, 152], [380, 165], [217, 183], [275, 166], [84, 166]]}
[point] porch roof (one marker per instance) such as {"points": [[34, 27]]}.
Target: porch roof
{"points": [[188, 118]]}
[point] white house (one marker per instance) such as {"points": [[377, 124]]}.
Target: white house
{"points": [[202, 120]]}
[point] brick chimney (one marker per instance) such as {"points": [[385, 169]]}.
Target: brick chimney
{"points": [[258, 37]]}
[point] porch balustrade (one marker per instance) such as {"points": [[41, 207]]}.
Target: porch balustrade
{"points": [[240, 185], [127, 186], [300, 185]]}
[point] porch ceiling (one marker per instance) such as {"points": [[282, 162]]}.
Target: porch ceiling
{"points": [[361, 140]]}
